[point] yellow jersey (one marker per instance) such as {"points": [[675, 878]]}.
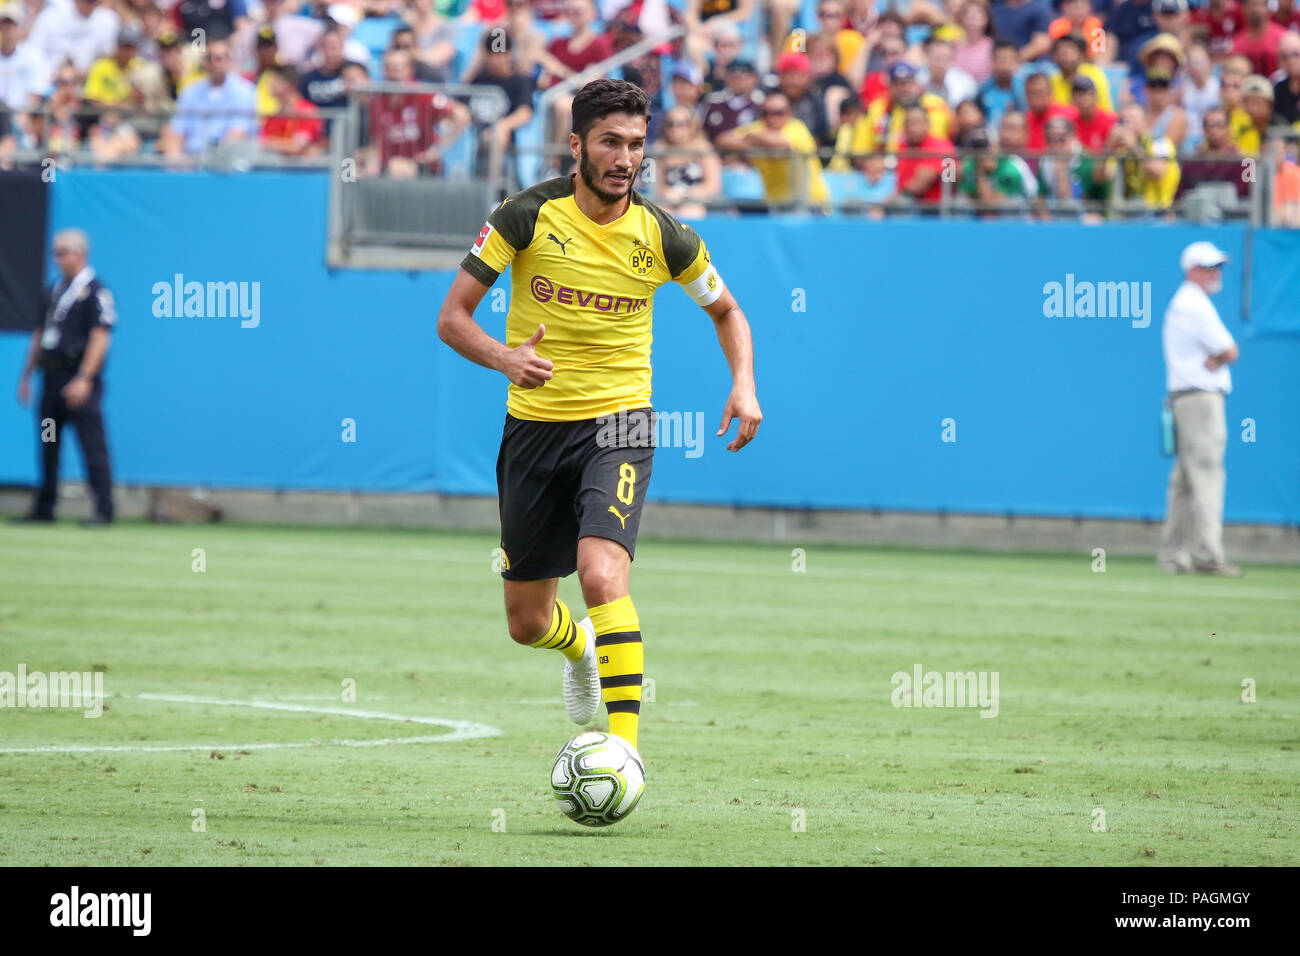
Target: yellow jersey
{"points": [[777, 172], [593, 287], [108, 83]]}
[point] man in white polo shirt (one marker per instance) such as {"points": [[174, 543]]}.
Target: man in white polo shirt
{"points": [[1198, 351]]}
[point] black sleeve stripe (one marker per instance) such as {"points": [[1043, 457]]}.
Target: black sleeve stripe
{"points": [[681, 243], [479, 269]]}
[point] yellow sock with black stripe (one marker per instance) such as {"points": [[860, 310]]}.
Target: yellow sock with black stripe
{"points": [[621, 660], [563, 635]]}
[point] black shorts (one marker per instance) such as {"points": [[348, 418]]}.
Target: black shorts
{"points": [[560, 481]]}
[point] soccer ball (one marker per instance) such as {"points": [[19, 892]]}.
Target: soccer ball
{"points": [[597, 779]]}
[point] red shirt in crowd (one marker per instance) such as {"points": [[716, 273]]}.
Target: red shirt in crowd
{"points": [[1092, 133], [873, 86], [301, 128], [406, 124], [601, 48], [907, 166], [1036, 124], [1260, 50], [1222, 27]]}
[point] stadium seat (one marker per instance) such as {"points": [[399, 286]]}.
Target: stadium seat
{"points": [[374, 33], [741, 183]]}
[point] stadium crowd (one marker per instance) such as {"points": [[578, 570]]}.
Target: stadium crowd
{"points": [[1006, 103]]}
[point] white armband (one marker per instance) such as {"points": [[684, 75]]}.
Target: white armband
{"points": [[706, 289]]}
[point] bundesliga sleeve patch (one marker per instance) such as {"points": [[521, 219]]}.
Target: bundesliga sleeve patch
{"points": [[706, 289], [477, 248]]}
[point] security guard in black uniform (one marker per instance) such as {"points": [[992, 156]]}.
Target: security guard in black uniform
{"points": [[69, 345]]}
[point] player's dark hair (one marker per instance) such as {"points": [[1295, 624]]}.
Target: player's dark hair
{"points": [[600, 98]]}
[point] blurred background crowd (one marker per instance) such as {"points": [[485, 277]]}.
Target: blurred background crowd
{"points": [[1009, 106]]}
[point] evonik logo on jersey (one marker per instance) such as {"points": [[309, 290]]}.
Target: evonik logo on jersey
{"points": [[544, 290]]}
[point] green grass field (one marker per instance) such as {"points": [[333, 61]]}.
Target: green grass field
{"points": [[1119, 691]]}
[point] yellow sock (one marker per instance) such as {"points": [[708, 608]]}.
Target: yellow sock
{"points": [[621, 660], [563, 635]]}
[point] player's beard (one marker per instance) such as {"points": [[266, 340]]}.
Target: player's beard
{"points": [[588, 173]]}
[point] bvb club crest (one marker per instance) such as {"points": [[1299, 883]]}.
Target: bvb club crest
{"points": [[642, 260]]}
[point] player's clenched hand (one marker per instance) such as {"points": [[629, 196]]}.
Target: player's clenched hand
{"points": [[741, 404], [524, 366]]}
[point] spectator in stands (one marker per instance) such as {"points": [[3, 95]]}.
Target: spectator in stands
{"points": [[109, 81], [1260, 40], [404, 127], [794, 79], [293, 129], [1232, 75], [61, 123], [435, 37], [1077, 18], [1025, 23], [736, 105], [940, 77], [1286, 93], [875, 83], [1041, 107], [1068, 175], [584, 46], [828, 83], [1161, 52], [1257, 102], [881, 128], [1200, 86], [1151, 172], [993, 180], [1164, 116], [699, 12], [1131, 24], [527, 42], [969, 118], [216, 18], [1216, 23], [295, 34], [688, 172], [972, 52], [1068, 54], [919, 177], [687, 85], [1013, 133], [832, 26], [323, 86], [171, 57], [80, 31], [1286, 184], [403, 39], [1172, 19], [344, 19], [998, 93], [497, 136], [1093, 124], [783, 175], [267, 53], [24, 74], [221, 108], [1286, 14], [1217, 159], [112, 138], [727, 46]]}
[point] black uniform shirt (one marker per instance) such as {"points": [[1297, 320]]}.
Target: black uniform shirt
{"points": [[72, 310]]}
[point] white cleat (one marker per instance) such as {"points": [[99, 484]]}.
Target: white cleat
{"points": [[582, 680]]}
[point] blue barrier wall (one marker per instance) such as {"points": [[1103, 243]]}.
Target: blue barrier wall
{"points": [[903, 325]]}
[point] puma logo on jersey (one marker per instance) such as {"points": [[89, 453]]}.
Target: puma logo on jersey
{"points": [[551, 236], [622, 519]]}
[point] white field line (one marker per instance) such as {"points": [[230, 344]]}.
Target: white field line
{"points": [[458, 729]]}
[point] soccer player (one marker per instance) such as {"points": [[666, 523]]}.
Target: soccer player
{"points": [[588, 253]]}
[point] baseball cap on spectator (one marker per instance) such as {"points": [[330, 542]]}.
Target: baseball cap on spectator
{"points": [[901, 71], [343, 15], [793, 63], [14, 13], [1159, 76], [266, 35], [741, 66], [1202, 255], [129, 36], [168, 39], [1162, 43], [1256, 85], [1083, 84], [1169, 6], [685, 70]]}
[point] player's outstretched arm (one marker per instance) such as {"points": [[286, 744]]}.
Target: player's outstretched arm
{"points": [[456, 326], [738, 346]]}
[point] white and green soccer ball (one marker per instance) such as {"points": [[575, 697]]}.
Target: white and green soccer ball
{"points": [[597, 779]]}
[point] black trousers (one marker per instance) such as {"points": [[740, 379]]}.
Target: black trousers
{"points": [[88, 420]]}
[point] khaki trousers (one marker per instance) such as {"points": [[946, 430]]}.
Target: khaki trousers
{"points": [[1193, 530]]}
